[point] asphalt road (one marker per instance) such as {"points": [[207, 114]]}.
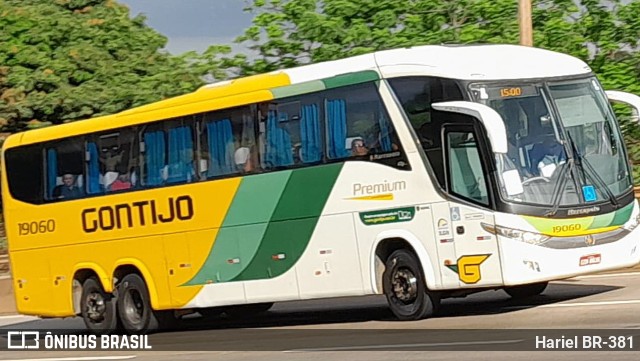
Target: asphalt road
{"points": [[484, 326]]}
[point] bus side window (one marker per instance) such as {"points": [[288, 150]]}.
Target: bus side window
{"points": [[169, 153], [65, 169], [357, 124], [154, 157], [416, 94], [227, 143], [26, 181], [310, 150], [291, 132], [180, 164], [279, 148], [466, 175], [112, 161]]}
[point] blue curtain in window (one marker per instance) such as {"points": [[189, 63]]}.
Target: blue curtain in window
{"points": [[52, 170], [220, 140], [279, 150], [154, 157], [385, 138], [93, 175], [180, 155], [337, 128], [310, 134]]}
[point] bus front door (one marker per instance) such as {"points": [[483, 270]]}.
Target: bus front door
{"points": [[467, 254], [477, 260]]}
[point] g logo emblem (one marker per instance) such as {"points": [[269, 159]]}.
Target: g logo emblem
{"points": [[468, 268]]}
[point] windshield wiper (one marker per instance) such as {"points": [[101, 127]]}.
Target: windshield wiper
{"points": [[579, 161], [582, 162], [559, 187]]}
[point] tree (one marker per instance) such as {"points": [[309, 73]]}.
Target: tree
{"points": [[65, 60], [605, 34], [287, 33]]}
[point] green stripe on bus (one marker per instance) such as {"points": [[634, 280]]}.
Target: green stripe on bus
{"points": [[231, 253], [350, 79], [293, 222], [622, 215], [617, 218], [243, 227], [256, 198], [297, 89], [307, 192], [602, 220]]}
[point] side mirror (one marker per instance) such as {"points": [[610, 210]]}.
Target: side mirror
{"points": [[492, 121], [627, 98]]}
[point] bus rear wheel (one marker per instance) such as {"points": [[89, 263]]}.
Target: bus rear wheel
{"points": [[134, 308], [98, 308], [405, 287], [525, 291]]}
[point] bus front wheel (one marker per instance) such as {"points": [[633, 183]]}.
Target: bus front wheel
{"points": [[524, 291], [98, 308], [134, 307], [405, 287]]}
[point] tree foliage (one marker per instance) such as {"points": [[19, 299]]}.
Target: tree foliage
{"points": [[604, 33], [64, 60], [286, 33]]}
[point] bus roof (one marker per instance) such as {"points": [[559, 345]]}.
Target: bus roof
{"points": [[481, 62], [473, 62]]}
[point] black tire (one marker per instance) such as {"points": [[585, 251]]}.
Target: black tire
{"points": [[98, 308], [524, 291], [405, 287], [134, 308], [239, 311]]}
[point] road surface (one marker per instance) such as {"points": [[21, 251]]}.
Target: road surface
{"points": [[362, 329]]}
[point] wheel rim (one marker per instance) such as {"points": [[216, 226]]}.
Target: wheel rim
{"points": [[96, 307], [404, 285], [133, 306]]}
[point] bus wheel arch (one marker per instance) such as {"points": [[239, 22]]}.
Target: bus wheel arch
{"points": [[96, 306], [401, 274], [135, 294], [386, 244], [80, 275], [130, 266]]}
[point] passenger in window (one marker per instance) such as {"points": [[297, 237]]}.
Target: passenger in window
{"points": [[546, 155], [246, 159], [358, 148], [111, 158], [68, 189], [378, 146], [123, 182]]}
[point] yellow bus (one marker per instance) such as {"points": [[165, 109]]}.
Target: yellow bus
{"points": [[419, 173]]}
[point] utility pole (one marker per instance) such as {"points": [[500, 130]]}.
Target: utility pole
{"points": [[524, 18]]}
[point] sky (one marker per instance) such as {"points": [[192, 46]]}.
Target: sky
{"points": [[194, 24]]}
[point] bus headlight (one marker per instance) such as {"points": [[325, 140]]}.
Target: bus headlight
{"points": [[632, 223], [515, 234]]}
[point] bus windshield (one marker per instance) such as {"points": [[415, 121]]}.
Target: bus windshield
{"points": [[564, 146]]}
